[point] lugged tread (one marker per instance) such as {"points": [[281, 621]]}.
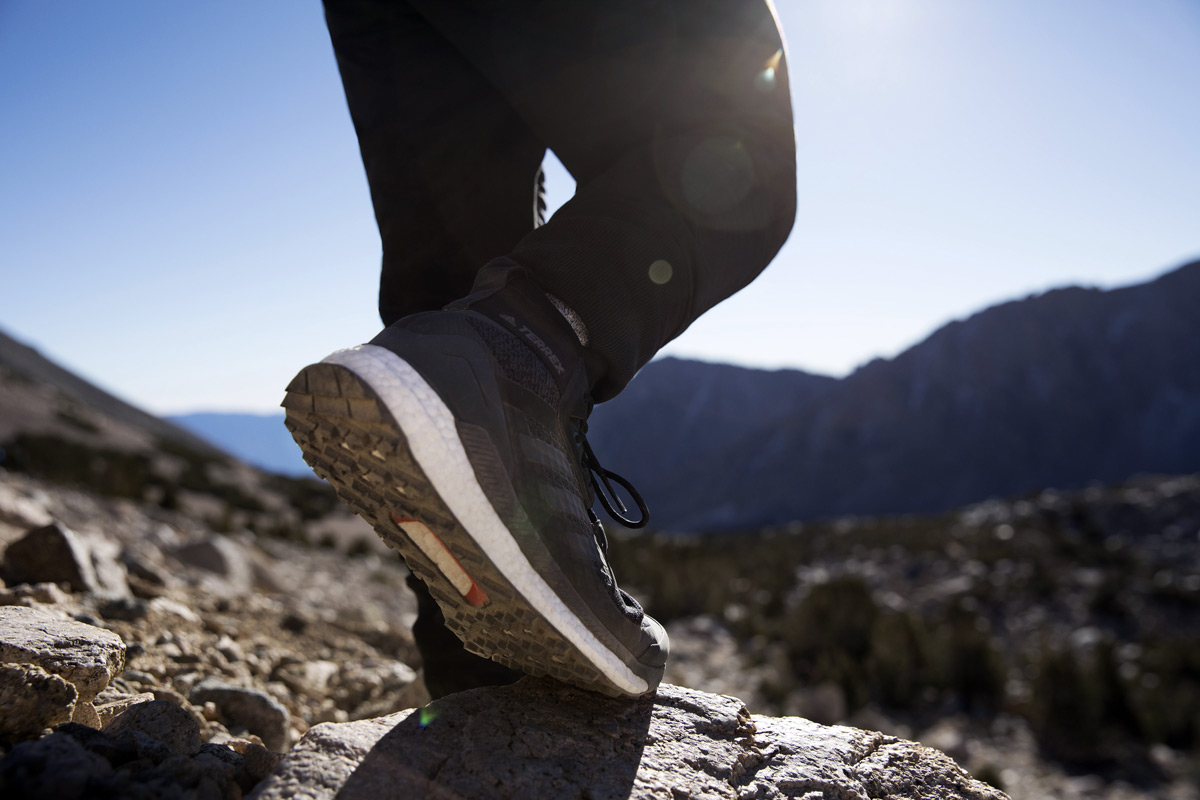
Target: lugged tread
{"points": [[325, 412]]}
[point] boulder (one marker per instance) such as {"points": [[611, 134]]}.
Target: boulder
{"points": [[85, 714], [56, 554], [108, 710], [307, 677], [360, 686], [246, 709], [161, 720], [52, 553], [56, 766], [111, 576], [538, 738], [258, 760], [220, 556], [84, 655], [32, 700], [23, 508], [79, 763]]}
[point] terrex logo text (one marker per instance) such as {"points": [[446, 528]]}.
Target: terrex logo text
{"points": [[543, 348]]}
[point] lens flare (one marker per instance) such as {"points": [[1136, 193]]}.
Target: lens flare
{"points": [[765, 80], [661, 272], [717, 175]]}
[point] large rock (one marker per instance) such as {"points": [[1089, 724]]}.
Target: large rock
{"points": [[55, 554], [108, 711], [110, 572], [538, 738], [56, 766], [78, 763], [32, 700], [23, 508], [84, 655], [161, 720], [246, 709], [222, 557]]}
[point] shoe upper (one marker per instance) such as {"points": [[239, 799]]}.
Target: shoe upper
{"points": [[519, 391]]}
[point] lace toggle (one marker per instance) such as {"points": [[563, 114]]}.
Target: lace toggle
{"points": [[602, 480]]}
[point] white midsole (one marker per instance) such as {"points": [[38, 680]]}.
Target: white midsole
{"points": [[433, 441]]}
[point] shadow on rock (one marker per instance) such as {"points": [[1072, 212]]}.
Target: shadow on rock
{"points": [[536, 738]]}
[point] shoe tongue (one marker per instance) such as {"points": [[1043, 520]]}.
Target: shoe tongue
{"points": [[525, 310]]}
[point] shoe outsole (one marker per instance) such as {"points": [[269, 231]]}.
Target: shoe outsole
{"points": [[350, 437]]}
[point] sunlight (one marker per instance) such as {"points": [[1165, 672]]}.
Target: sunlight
{"points": [[880, 39]]}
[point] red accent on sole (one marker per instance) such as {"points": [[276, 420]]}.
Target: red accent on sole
{"points": [[475, 595]]}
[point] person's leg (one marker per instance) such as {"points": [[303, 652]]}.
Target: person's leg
{"points": [[453, 174], [459, 433], [675, 119], [451, 167]]}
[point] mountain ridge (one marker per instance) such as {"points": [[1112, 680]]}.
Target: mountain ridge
{"points": [[26, 362], [1037, 386]]}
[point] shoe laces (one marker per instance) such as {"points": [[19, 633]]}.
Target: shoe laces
{"points": [[602, 480], [602, 487], [632, 607]]}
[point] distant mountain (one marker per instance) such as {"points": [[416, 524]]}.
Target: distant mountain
{"points": [[53, 396], [678, 430], [258, 439], [58, 427], [1061, 389]]}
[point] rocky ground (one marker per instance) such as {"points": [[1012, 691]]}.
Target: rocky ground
{"points": [[245, 642], [256, 639], [1050, 642]]}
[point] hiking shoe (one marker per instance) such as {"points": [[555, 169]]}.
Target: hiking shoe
{"points": [[459, 436]]}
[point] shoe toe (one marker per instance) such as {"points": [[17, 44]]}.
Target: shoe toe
{"points": [[658, 643]]}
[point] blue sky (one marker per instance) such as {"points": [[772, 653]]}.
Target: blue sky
{"points": [[185, 221]]}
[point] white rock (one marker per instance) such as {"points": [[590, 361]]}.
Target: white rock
{"points": [[32, 699], [84, 655], [538, 738]]}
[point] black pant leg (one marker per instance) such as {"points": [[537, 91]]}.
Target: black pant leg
{"points": [[449, 666], [451, 167], [674, 116]]}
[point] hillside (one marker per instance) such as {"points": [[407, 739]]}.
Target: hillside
{"points": [[1047, 644], [59, 427], [40, 396], [1062, 389]]}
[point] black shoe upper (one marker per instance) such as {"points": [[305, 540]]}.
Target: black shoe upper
{"points": [[514, 377]]}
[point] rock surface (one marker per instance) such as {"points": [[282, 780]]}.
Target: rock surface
{"points": [[32, 700], [221, 557], [542, 739], [51, 554], [246, 709], [161, 720], [334, 647], [77, 762], [86, 656]]}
